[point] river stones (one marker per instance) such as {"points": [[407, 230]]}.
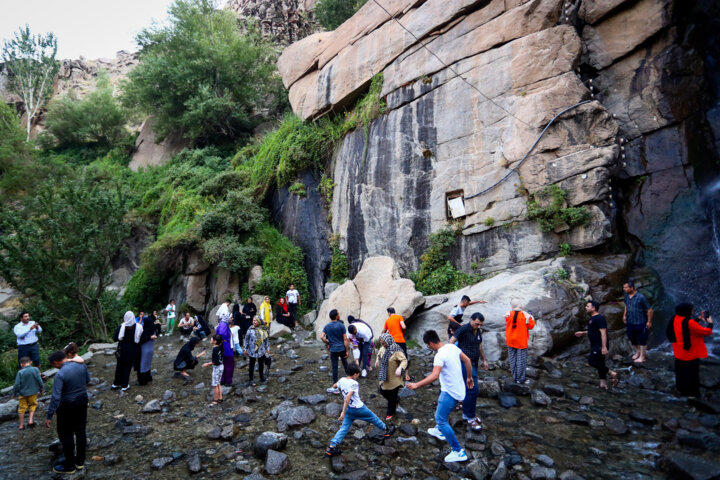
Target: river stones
{"points": [[544, 460], [507, 400], [554, 390], [313, 399], [689, 466], [160, 463], [540, 398], [293, 417], [542, 473], [269, 440], [193, 463], [153, 406], [276, 462]]}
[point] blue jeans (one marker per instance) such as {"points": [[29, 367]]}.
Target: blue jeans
{"points": [[365, 353], [470, 395], [445, 405], [352, 414]]}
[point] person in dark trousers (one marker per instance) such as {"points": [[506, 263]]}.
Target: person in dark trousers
{"points": [[256, 347], [292, 298], [26, 332], [336, 340], [687, 336], [249, 311], [185, 360], [364, 334], [143, 363], [392, 362], [598, 337], [469, 341], [69, 399], [282, 314], [637, 316], [128, 337]]}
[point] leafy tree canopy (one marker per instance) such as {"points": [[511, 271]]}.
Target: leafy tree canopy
{"points": [[200, 75], [332, 13]]}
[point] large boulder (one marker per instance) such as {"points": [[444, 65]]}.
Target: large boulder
{"points": [[376, 287], [254, 277], [544, 288]]}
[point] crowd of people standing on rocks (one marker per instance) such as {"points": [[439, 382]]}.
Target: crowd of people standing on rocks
{"points": [[244, 331]]}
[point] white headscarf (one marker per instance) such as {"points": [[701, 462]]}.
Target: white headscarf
{"points": [[129, 321]]}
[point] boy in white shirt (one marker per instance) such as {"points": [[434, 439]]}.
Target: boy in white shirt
{"points": [[353, 409], [447, 366], [235, 336]]}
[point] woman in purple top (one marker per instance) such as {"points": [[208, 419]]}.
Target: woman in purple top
{"points": [[223, 329]]}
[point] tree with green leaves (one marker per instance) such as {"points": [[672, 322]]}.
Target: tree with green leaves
{"points": [[12, 138], [332, 13], [96, 119], [31, 65], [200, 75], [57, 245]]}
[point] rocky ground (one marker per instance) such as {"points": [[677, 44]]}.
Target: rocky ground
{"points": [[563, 426]]}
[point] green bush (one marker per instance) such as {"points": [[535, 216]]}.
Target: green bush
{"points": [[332, 13], [95, 119], [548, 208], [436, 274], [12, 138], [339, 269], [143, 291], [298, 188], [200, 75], [283, 154], [371, 106], [283, 264]]}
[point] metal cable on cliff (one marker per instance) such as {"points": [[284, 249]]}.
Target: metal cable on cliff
{"points": [[514, 169]]}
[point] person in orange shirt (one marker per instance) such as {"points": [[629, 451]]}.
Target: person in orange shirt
{"points": [[687, 336], [395, 326], [518, 323]]}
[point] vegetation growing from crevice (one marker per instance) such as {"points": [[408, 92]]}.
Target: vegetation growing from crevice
{"points": [[339, 268], [333, 13], [436, 274], [549, 209]]}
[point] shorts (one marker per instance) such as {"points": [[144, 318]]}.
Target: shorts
{"points": [[637, 334], [217, 374], [27, 403]]}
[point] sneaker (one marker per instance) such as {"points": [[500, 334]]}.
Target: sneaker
{"points": [[114, 387], [454, 456], [332, 451], [388, 417], [124, 389], [333, 390], [61, 470], [389, 430], [79, 467], [475, 424], [364, 373], [526, 382], [435, 432]]}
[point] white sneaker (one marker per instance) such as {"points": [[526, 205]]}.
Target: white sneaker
{"points": [[333, 390], [454, 456], [364, 373], [124, 389], [435, 432]]}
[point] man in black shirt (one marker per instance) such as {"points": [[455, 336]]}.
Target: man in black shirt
{"points": [[469, 341], [597, 335], [70, 401]]}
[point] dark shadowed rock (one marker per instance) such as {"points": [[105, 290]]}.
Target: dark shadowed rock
{"points": [[540, 398], [293, 417], [193, 464], [507, 400], [642, 417], [337, 464], [333, 409], [313, 399], [500, 473], [702, 440], [554, 390], [110, 460], [478, 470], [542, 473], [570, 475], [269, 440], [522, 389], [169, 396], [690, 467], [276, 462], [545, 461], [616, 426]]}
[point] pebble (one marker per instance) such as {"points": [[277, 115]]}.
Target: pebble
{"points": [[501, 472], [111, 459], [193, 464], [412, 439], [542, 473], [642, 417], [97, 405], [169, 396], [616, 426], [497, 449], [139, 399], [507, 400], [161, 462], [540, 398], [544, 460], [586, 400], [276, 462], [153, 406]]}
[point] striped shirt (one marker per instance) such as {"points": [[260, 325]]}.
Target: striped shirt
{"points": [[637, 309]]}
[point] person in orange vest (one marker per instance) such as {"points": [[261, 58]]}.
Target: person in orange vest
{"points": [[687, 336], [518, 323]]}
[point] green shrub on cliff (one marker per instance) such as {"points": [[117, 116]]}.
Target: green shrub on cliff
{"points": [[549, 209], [436, 274], [200, 75], [332, 13], [339, 268]]}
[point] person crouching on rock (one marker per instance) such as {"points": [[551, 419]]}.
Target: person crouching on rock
{"points": [[518, 324], [447, 366], [597, 335], [687, 336], [353, 409], [185, 360], [217, 370], [392, 363]]}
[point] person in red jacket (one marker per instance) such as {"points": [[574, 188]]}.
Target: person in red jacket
{"points": [[687, 336], [518, 323]]}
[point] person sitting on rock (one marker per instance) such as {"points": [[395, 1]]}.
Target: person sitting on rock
{"points": [[598, 337], [186, 325], [518, 324], [447, 366], [353, 409], [185, 360], [282, 314]]}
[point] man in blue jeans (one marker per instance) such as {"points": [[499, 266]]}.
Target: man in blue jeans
{"points": [[469, 341], [447, 366], [335, 338]]}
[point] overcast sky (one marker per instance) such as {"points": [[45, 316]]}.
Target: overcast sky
{"points": [[91, 28]]}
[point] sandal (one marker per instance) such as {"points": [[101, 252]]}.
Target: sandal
{"points": [[213, 404], [31, 424], [21, 428]]}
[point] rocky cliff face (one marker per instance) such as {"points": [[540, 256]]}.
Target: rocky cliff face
{"points": [[629, 155], [284, 21]]}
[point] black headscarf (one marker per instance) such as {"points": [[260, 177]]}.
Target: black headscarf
{"points": [[683, 311]]}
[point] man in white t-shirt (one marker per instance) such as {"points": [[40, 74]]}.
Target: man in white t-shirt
{"points": [[170, 322], [292, 297], [447, 366], [364, 334]]}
